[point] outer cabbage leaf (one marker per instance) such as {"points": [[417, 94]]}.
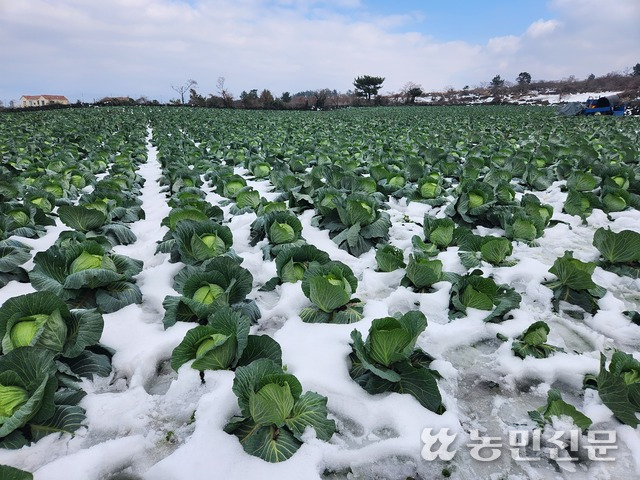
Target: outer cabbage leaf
{"points": [[404, 369], [580, 204], [81, 218], [556, 407], [11, 473], [217, 283], [208, 352], [621, 251], [439, 231], [473, 290], [90, 287], [49, 324], [33, 370], [292, 262], [619, 387], [422, 272], [532, 342], [275, 413], [389, 258], [329, 286], [574, 284], [200, 241]]}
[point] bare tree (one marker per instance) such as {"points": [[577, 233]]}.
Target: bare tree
{"points": [[321, 97], [182, 89], [227, 97]]}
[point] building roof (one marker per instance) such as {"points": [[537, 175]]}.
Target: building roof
{"points": [[55, 97], [46, 97]]}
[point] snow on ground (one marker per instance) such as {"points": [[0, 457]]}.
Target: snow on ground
{"points": [[574, 97], [147, 422], [532, 97]]}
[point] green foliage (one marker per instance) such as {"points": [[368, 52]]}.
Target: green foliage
{"points": [[293, 262], [330, 286], [198, 242], [357, 224], [178, 214], [81, 218], [615, 199], [31, 403], [11, 473], [12, 255], [220, 282], [619, 387], [532, 342], [430, 188], [23, 220], [621, 251], [389, 258], [43, 320], [476, 161], [388, 361], [474, 202], [580, 203], [475, 291], [368, 85], [261, 170], [282, 228], [87, 275], [556, 407], [574, 284], [275, 412], [422, 272], [475, 249], [497, 82], [439, 231], [582, 181], [247, 199], [232, 185], [224, 343], [524, 78]]}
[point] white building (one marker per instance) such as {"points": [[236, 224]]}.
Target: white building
{"points": [[42, 100]]}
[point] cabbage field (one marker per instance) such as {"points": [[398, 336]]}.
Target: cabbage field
{"points": [[195, 293]]}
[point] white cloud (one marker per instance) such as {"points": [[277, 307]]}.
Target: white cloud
{"points": [[140, 47], [541, 28], [504, 45]]}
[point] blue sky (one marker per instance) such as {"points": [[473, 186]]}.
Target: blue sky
{"points": [[465, 20], [90, 49]]}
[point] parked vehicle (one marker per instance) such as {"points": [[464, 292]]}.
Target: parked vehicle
{"points": [[609, 105]]}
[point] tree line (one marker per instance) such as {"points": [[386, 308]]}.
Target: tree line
{"points": [[367, 88]]}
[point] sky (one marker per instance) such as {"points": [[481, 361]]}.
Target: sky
{"points": [[89, 49]]}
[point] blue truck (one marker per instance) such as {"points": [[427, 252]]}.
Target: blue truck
{"points": [[610, 105]]}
